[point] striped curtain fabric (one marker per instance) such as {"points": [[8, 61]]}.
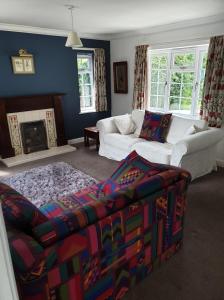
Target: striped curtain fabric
{"points": [[100, 80], [212, 106], [140, 96]]}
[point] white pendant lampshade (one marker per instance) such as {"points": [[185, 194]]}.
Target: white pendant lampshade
{"points": [[73, 39]]}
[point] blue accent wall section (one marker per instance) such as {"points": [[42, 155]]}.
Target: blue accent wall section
{"points": [[56, 72]]}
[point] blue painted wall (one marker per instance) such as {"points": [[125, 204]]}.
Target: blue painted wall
{"points": [[56, 71]]}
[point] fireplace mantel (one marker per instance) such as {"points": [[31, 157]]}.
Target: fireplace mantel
{"points": [[29, 103]]}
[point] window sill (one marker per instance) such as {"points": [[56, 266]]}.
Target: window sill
{"points": [[179, 114], [87, 112]]}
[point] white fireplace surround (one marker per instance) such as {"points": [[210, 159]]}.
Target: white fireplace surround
{"points": [[15, 119]]}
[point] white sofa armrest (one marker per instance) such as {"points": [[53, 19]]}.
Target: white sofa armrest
{"points": [[107, 126], [194, 143]]}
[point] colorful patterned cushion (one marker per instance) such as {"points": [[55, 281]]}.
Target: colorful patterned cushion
{"points": [[18, 211], [155, 126], [131, 170]]}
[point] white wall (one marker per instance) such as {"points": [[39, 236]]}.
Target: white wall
{"points": [[123, 48], [220, 153]]}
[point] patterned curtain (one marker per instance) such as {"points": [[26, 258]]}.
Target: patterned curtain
{"points": [[212, 106], [140, 96], [100, 80]]}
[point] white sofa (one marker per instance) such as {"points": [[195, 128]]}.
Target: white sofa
{"points": [[193, 152]]}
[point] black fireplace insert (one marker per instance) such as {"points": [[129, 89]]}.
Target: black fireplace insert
{"points": [[34, 136]]}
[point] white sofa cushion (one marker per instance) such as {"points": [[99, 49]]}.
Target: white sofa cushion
{"points": [[154, 151], [123, 142], [138, 118], [124, 124], [179, 126]]}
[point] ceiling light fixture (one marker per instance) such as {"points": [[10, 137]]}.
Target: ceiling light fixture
{"points": [[73, 39]]}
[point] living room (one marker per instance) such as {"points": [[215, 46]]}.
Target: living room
{"points": [[111, 149]]}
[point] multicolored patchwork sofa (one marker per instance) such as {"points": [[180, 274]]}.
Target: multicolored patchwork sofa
{"points": [[98, 243]]}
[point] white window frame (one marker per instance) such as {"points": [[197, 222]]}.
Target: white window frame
{"points": [[199, 52], [92, 108]]}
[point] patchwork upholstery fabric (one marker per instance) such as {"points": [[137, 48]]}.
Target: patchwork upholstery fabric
{"points": [[27, 254], [18, 211], [135, 179], [155, 126], [107, 258], [106, 243]]}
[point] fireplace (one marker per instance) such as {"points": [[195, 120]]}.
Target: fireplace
{"points": [[34, 136], [26, 109]]}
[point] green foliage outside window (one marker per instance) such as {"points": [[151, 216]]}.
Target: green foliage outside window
{"points": [[182, 80]]}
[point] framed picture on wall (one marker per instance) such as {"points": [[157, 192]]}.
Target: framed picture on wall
{"points": [[23, 64], [120, 77]]}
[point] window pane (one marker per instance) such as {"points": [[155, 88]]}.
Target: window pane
{"points": [[153, 88], [153, 101], [184, 60], [86, 78], [173, 78], [154, 76], [176, 77], [83, 63], [87, 90], [163, 62], [187, 90], [162, 76], [188, 77], [186, 104], [88, 101], [175, 90], [155, 62], [174, 103], [160, 101], [82, 101], [161, 89]]}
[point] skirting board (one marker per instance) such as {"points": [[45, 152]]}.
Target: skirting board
{"points": [[220, 163], [24, 158], [76, 141]]}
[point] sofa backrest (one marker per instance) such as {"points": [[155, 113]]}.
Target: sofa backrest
{"points": [[179, 127]]}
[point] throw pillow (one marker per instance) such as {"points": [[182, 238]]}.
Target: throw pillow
{"points": [[195, 129], [130, 171], [191, 130], [155, 126], [124, 124], [138, 118], [18, 211]]}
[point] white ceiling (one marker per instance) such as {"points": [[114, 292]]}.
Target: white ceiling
{"points": [[106, 16]]}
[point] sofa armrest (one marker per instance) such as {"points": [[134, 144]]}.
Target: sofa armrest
{"points": [[194, 143], [27, 254], [107, 126]]}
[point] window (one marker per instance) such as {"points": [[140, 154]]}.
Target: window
{"points": [[86, 83], [177, 77]]}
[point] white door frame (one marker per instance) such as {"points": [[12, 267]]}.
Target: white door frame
{"points": [[8, 289]]}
